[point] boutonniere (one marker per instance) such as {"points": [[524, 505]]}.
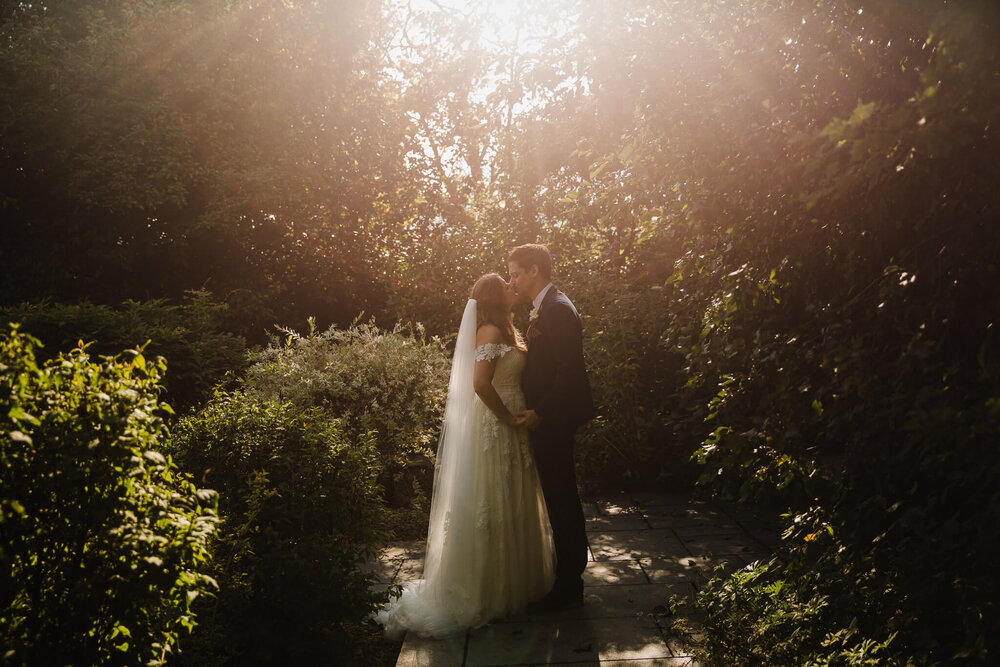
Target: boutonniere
{"points": [[533, 315]]}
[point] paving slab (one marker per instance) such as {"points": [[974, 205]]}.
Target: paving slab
{"points": [[630, 544], [633, 639], [442, 652], [678, 516], [693, 570], [561, 640], [616, 522], [572, 641], [628, 601], [410, 570], [613, 572], [408, 549], [715, 545], [710, 528], [617, 505], [654, 499]]}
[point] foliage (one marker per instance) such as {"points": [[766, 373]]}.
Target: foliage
{"points": [[302, 515], [846, 334], [104, 542], [637, 378], [389, 384], [857, 373], [754, 618], [151, 148], [192, 336]]}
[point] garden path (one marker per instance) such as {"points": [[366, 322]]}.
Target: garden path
{"points": [[644, 548]]}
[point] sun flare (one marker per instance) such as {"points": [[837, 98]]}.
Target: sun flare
{"points": [[504, 25]]}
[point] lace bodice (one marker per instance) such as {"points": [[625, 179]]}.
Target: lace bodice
{"points": [[510, 363]]}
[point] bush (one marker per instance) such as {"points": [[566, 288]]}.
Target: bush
{"points": [[104, 543], [753, 617], [302, 514], [391, 384], [192, 336], [641, 436]]}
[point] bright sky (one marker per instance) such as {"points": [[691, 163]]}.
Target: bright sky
{"points": [[502, 22]]}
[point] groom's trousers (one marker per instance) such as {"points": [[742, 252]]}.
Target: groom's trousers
{"points": [[552, 446]]}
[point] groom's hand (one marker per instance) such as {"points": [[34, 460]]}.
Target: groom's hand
{"points": [[531, 419]]}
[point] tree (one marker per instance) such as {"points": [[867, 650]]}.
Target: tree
{"points": [[154, 148]]}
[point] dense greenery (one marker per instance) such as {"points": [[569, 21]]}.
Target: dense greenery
{"points": [[302, 514], [755, 619], [195, 336], [149, 148], [849, 336], [104, 541], [776, 219], [386, 385]]}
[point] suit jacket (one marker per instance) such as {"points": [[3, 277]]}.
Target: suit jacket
{"points": [[554, 378]]}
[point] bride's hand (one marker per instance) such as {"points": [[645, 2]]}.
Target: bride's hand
{"points": [[530, 419], [517, 420]]}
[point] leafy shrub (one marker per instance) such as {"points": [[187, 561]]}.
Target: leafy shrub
{"points": [[191, 335], [636, 374], [391, 384], [752, 617], [104, 543], [302, 514]]}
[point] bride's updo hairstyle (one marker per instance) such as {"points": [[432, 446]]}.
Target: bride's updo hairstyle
{"points": [[490, 309]]}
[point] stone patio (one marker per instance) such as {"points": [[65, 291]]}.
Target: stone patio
{"points": [[643, 549]]}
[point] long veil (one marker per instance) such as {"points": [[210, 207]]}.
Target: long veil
{"points": [[456, 431], [489, 544]]}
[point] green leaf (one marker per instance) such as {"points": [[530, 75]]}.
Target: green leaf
{"points": [[18, 436], [17, 413]]}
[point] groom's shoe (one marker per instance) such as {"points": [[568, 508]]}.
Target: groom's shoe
{"points": [[557, 601]]}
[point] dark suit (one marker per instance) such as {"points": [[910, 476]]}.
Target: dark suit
{"points": [[556, 387]]}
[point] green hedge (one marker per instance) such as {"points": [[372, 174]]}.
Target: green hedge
{"points": [[391, 384], [103, 543], [193, 335], [302, 515]]}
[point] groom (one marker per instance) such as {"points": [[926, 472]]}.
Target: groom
{"points": [[559, 401]]}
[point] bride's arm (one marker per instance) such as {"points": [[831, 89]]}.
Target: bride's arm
{"points": [[482, 377]]}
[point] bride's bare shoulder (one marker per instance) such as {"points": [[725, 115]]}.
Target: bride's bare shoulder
{"points": [[488, 333]]}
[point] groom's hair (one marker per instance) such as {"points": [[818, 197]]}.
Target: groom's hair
{"points": [[533, 254]]}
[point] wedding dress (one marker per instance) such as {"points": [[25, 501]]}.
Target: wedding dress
{"points": [[489, 543]]}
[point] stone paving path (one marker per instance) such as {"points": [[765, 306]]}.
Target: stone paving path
{"points": [[643, 549]]}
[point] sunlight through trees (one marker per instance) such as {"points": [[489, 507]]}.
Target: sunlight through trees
{"points": [[777, 219]]}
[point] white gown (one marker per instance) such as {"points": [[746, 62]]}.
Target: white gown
{"points": [[489, 547]]}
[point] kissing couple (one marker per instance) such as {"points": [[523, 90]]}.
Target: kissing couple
{"points": [[506, 531]]}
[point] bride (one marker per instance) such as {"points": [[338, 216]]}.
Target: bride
{"points": [[489, 544]]}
